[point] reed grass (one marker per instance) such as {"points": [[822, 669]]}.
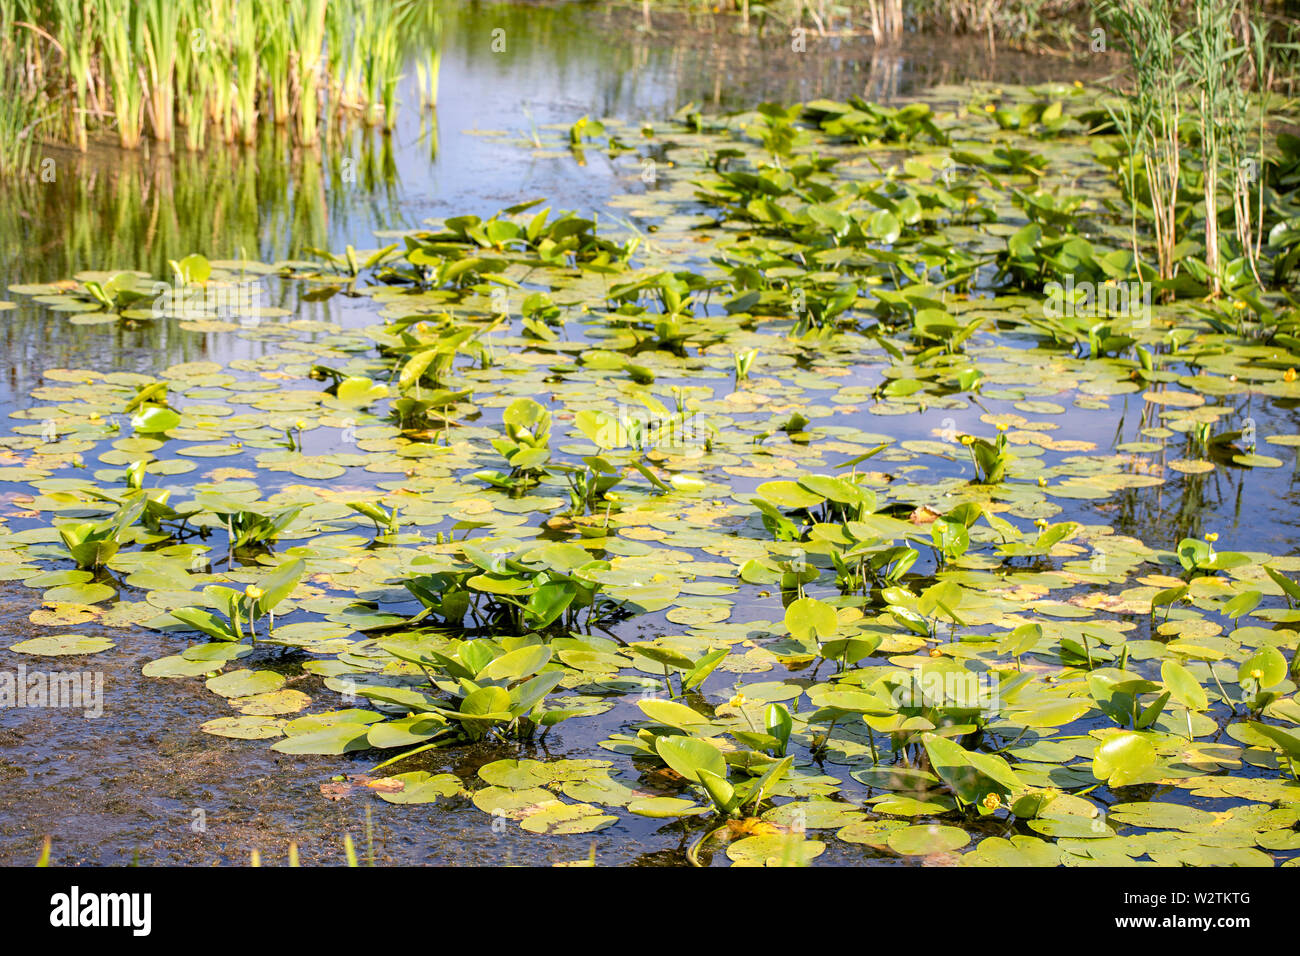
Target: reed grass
{"points": [[1148, 118], [182, 71], [381, 63], [159, 36], [74, 37], [19, 111], [245, 54], [1194, 114], [307, 37], [1219, 62], [193, 82], [119, 23], [20, 119], [422, 22], [273, 25]]}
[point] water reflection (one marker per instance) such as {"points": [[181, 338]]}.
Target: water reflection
{"points": [[111, 210]]}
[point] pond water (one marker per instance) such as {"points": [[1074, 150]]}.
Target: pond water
{"points": [[143, 782], [113, 210]]}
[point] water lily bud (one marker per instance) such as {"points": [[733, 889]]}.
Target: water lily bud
{"points": [[1288, 375], [253, 592]]}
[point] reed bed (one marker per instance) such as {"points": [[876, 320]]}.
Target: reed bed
{"points": [[888, 20], [188, 72], [1192, 119]]}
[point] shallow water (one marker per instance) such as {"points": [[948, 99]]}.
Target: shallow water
{"points": [[109, 210], [130, 783]]}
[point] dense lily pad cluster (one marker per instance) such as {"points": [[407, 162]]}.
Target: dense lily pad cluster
{"points": [[624, 478]]}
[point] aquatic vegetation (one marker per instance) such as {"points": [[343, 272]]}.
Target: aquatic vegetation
{"points": [[872, 123], [811, 507], [248, 525], [743, 362], [384, 520], [526, 447], [21, 115], [1195, 67], [249, 606], [91, 544], [990, 458], [210, 66], [493, 691]]}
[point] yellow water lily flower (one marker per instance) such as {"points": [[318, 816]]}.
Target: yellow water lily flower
{"points": [[752, 826]]}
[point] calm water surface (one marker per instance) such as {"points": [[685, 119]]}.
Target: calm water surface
{"points": [[130, 783]]}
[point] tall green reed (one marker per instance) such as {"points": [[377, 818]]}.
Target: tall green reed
{"points": [[273, 26], [1148, 118], [20, 119], [193, 78], [222, 68], [1219, 62], [246, 49], [422, 25], [1193, 116], [20, 109], [379, 45], [74, 32], [307, 33], [119, 22], [159, 36]]}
